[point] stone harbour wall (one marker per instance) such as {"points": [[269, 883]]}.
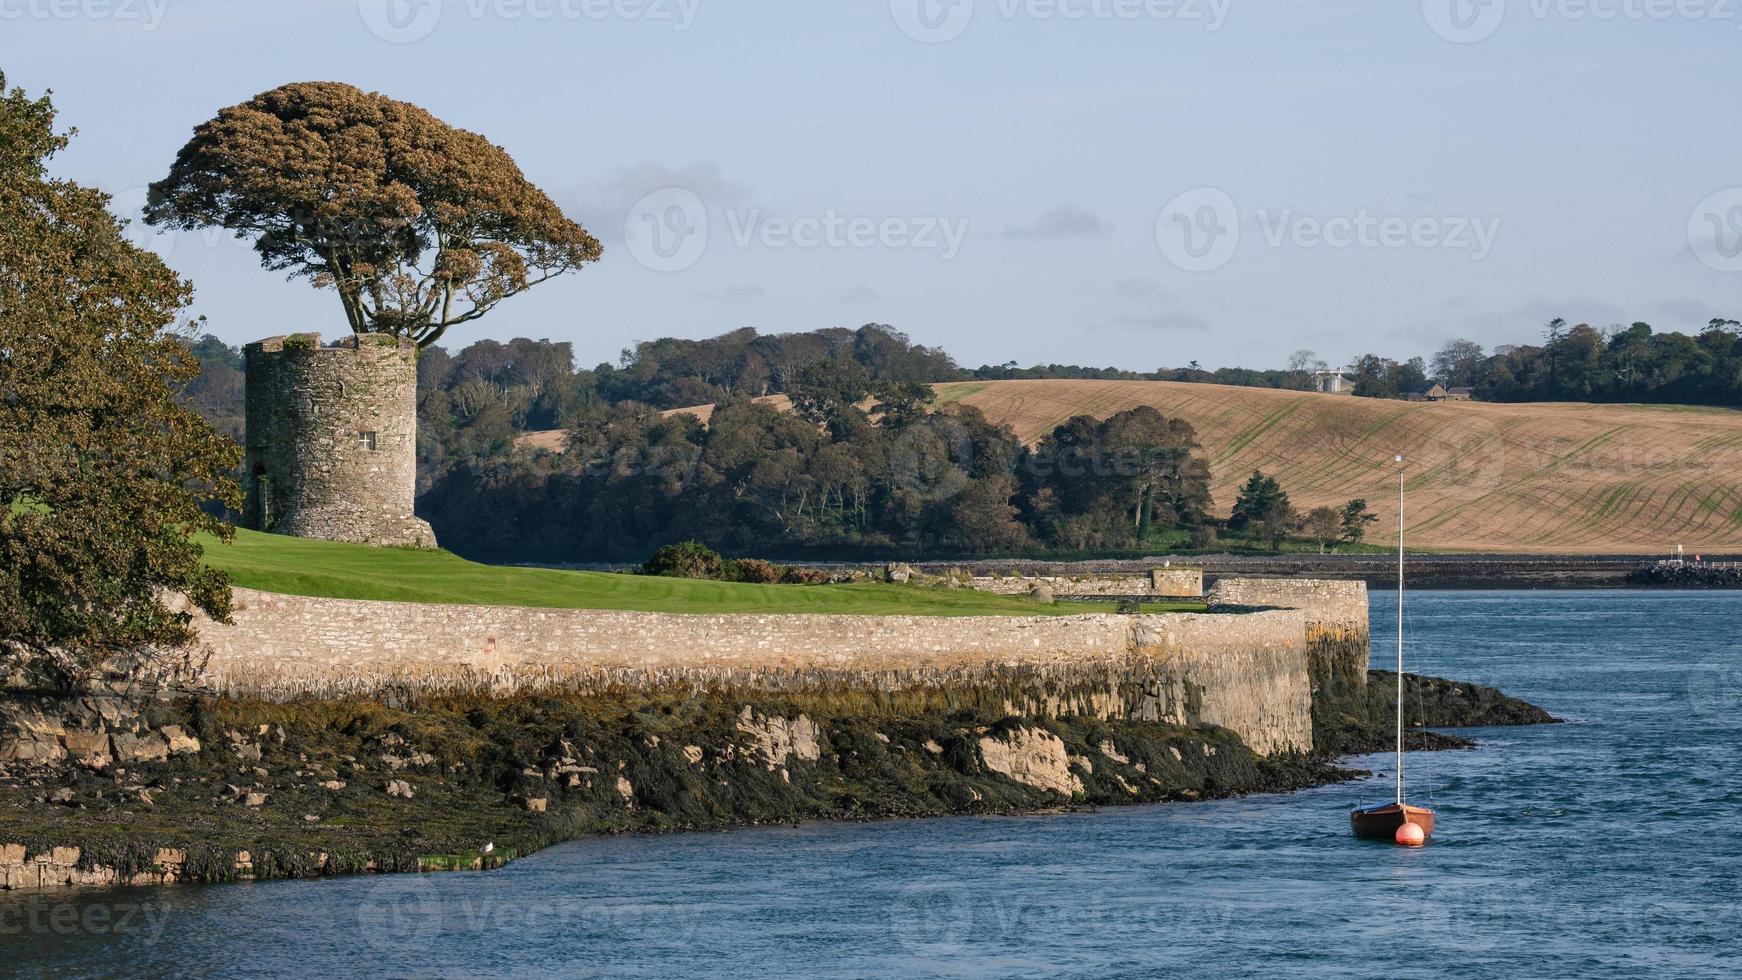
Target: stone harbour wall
{"points": [[1338, 644], [1329, 603], [1170, 583], [1247, 672]]}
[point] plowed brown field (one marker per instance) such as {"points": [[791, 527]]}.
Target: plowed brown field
{"points": [[1561, 477], [1550, 477]]}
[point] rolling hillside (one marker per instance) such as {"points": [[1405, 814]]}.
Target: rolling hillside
{"points": [[1531, 478], [1547, 477]]}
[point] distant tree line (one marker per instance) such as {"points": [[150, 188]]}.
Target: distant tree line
{"points": [[1573, 363], [1620, 364]]}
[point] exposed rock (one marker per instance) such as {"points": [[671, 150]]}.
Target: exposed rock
{"points": [[625, 789], [180, 742], [898, 572], [333, 784], [1111, 751], [139, 748], [90, 748], [399, 788], [1032, 756], [778, 738], [255, 799], [27, 747], [692, 754], [536, 804]]}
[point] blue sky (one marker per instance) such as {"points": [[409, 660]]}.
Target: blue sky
{"points": [[1128, 182]]}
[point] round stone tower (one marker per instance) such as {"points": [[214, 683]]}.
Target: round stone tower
{"points": [[331, 445]]}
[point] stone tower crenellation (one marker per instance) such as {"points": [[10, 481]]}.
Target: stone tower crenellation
{"points": [[331, 441]]}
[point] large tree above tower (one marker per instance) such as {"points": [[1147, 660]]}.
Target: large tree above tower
{"points": [[416, 224]]}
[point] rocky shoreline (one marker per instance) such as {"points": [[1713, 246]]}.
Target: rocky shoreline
{"points": [[210, 789]]}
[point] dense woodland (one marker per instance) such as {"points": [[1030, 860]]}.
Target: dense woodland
{"points": [[867, 463]]}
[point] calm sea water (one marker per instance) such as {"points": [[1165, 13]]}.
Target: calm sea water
{"points": [[1603, 847]]}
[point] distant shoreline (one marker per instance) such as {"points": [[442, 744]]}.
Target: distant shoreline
{"points": [[1431, 570], [1426, 571]]}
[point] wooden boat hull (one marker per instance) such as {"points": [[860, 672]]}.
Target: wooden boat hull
{"points": [[1381, 822]]}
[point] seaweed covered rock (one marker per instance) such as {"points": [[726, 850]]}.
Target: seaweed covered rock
{"points": [[1428, 702]]}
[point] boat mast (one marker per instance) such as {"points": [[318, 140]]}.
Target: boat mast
{"points": [[1400, 630]]}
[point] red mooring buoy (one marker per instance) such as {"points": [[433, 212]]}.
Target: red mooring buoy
{"points": [[1410, 835]]}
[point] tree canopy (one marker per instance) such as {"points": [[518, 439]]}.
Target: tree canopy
{"points": [[1262, 507], [417, 225], [100, 467]]}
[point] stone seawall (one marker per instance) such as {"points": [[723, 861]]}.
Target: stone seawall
{"points": [[1336, 637], [1169, 583], [1247, 672]]}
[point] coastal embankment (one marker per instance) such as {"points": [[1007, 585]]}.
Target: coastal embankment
{"points": [[334, 736]]}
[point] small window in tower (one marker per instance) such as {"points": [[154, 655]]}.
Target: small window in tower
{"points": [[366, 440]]}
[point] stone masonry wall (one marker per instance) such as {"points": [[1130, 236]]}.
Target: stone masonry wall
{"points": [[331, 443], [1246, 672], [1336, 634], [1172, 583], [1330, 603]]}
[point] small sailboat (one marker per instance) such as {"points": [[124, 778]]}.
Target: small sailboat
{"points": [[1407, 825]]}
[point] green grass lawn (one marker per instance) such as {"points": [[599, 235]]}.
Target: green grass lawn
{"points": [[297, 566]]}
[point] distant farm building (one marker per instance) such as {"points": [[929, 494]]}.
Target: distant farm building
{"points": [[1332, 382]]}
